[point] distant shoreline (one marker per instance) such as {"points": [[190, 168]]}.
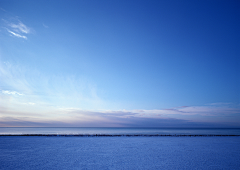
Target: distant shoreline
{"points": [[116, 135]]}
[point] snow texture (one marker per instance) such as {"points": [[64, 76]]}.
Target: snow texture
{"points": [[41, 152]]}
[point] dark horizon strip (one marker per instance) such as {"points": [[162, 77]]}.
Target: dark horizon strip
{"points": [[108, 135]]}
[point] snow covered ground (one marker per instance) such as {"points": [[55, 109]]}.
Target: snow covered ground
{"points": [[21, 152]]}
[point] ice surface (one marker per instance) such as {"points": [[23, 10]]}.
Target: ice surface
{"points": [[21, 152]]}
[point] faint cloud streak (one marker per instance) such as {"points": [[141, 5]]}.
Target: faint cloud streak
{"points": [[17, 35], [45, 25], [11, 92], [20, 27], [15, 27]]}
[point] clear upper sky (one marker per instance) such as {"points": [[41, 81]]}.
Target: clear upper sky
{"points": [[120, 63]]}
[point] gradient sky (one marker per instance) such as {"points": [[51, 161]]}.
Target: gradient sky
{"points": [[120, 63]]}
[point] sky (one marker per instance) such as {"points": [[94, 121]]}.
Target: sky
{"points": [[119, 63]]}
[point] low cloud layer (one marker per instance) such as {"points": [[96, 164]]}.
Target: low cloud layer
{"points": [[73, 117]]}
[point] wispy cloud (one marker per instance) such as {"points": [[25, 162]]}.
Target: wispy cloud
{"points": [[65, 91], [11, 92], [17, 35], [45, 25], [85, 118], [193, 110], [15, 26], [3, 9], [20, 27], [14, 78], [67, 101]]}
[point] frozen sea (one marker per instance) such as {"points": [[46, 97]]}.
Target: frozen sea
{"points": [[120, 152]]}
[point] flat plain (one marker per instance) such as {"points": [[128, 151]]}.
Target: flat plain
{"points": [[40, 152]]}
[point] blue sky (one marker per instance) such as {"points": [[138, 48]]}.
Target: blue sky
{"points": [[120, 63]]}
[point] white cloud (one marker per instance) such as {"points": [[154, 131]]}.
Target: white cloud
{"points": [[20, 27], [79, 117], [158, 114], [15, 27], [17, 35], [11, 92]]}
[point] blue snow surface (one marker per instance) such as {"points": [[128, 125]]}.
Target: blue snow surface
{"points": [[43, 152]]}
